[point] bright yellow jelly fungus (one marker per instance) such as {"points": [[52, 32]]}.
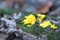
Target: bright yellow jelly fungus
{"points": [[38, 14], [40, 17], [30, 20], [45, 24], [53, 26]]}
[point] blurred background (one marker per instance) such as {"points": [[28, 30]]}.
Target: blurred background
{"points": [[31, 5]]}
